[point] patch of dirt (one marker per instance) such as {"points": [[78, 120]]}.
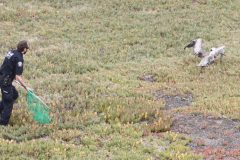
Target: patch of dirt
{"points": [[174, 101], [148, 77], [215, 138]]}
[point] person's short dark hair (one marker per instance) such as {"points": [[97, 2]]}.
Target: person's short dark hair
{"points": [[22, 45]]}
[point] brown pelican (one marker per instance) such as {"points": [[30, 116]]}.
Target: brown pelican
{"points": [[197, 47]]}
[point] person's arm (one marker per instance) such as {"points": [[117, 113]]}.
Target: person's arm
{"points": [[21, 81]]}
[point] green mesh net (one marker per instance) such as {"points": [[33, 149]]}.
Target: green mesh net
{"points": [[38, 108]]}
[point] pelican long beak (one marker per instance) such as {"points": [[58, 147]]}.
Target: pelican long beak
{"points": [[190, 44]]}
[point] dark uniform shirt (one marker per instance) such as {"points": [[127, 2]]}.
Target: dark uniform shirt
{"points": [[12, 66]]}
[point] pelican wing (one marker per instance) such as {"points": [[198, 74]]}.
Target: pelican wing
{"points": [[217, 51], [211, 57], [204, 61]]}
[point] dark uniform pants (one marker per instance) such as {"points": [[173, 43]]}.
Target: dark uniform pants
{"points": [[9, 95]]}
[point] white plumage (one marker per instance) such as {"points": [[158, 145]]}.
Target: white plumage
{"points": [[212, 56], [197, 47], [207, 59]]}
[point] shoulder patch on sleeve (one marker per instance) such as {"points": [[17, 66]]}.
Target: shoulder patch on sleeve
{"points": [[20, 64]]}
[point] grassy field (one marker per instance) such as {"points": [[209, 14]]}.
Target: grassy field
{"points": [[85, 60]]}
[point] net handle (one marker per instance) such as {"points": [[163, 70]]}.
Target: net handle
{"points": [[21, 85], [31, 92]]}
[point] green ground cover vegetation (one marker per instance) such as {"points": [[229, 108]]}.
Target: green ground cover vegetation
{"points": [[85, 60]]}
